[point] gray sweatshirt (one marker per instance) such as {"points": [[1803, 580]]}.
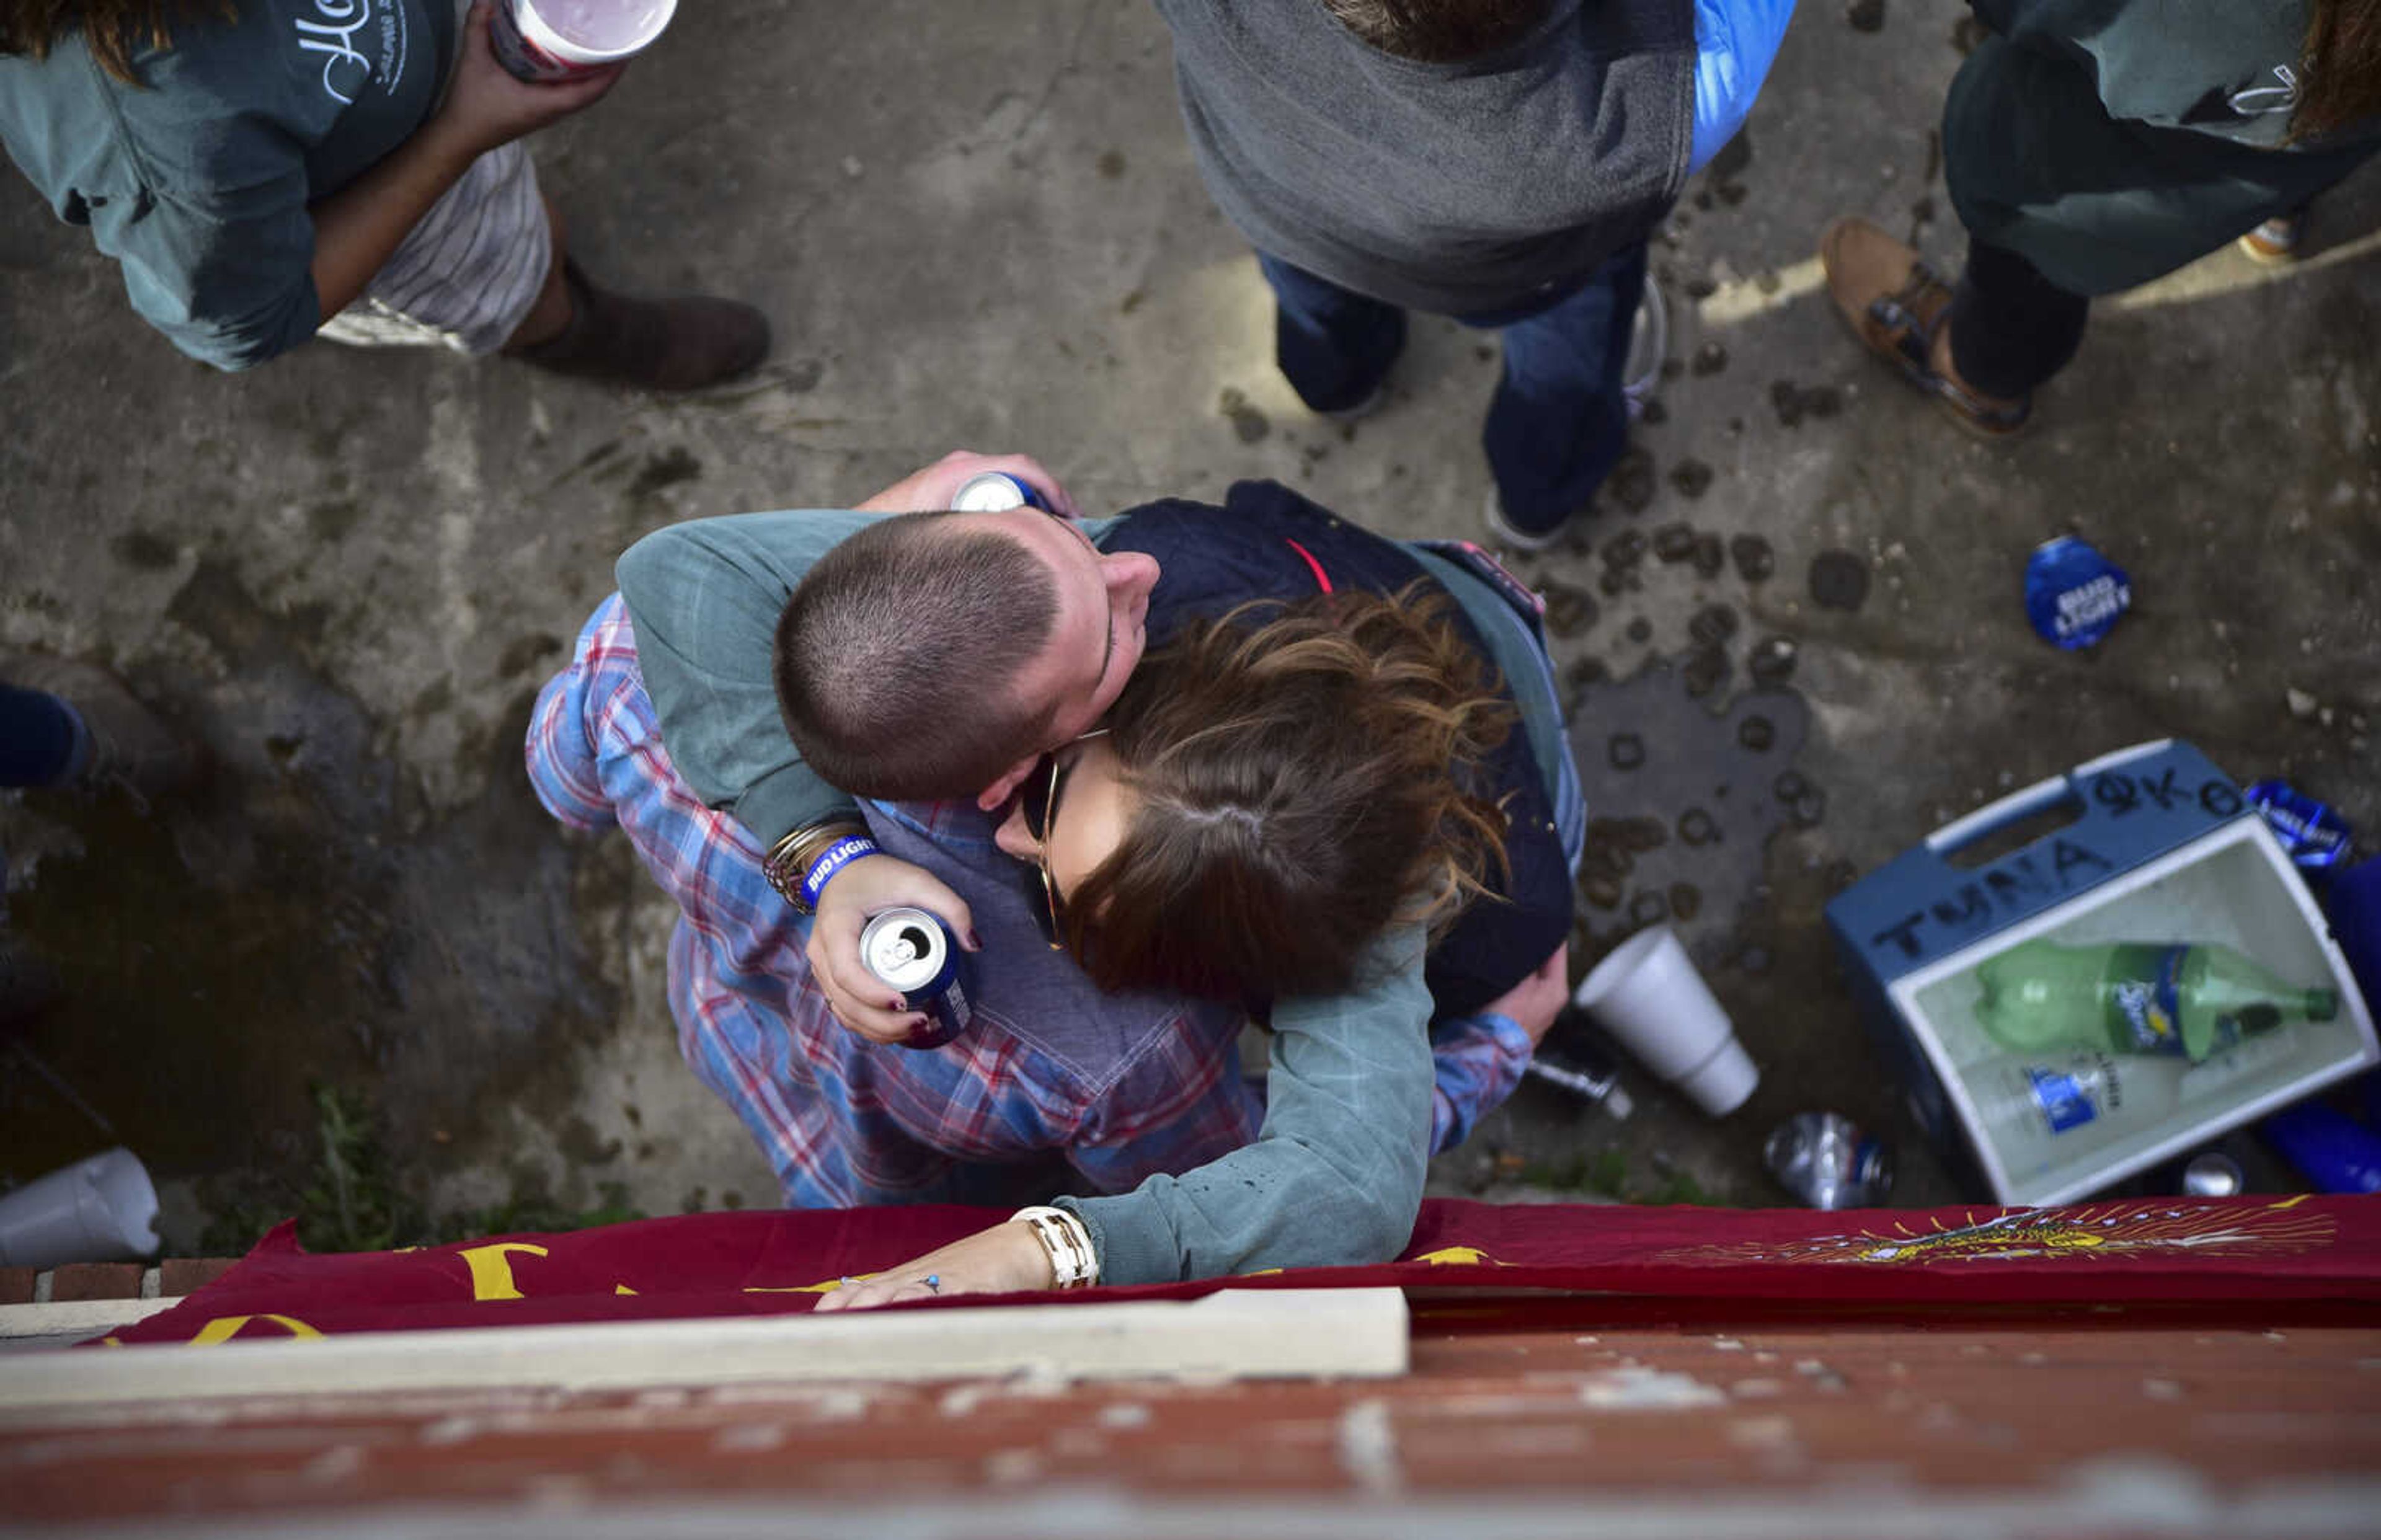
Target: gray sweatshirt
{"points": [[1459, 188]]}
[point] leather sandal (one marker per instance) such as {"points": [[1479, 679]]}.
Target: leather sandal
{"points": [[1896, 304], [657, 344]]}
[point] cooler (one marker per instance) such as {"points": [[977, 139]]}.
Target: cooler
{"points": [[2149, 843]]}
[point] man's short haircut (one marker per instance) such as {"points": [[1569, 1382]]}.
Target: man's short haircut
{"points": [[1439, 31], [897, 658]]}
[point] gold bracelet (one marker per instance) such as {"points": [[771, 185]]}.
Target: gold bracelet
{"points": [[789, 858]]}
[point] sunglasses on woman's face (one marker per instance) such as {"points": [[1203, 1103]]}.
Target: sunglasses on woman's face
{"points": [[1037, 799]]}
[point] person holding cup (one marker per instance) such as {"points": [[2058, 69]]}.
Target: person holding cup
{"points": [[267, 171]]}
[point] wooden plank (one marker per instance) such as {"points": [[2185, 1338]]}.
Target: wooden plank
{"points": [[1237, 1334], [2265, 1426], [74, 1319]]}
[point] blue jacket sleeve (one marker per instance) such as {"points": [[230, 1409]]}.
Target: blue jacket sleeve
{"points": [[1735, 41]]}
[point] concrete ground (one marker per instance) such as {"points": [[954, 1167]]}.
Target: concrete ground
{"points": [[979, 225]]}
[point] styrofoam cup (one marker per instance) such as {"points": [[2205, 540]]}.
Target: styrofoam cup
{"points": [[104, 1209], [562, 40], [1648, 994]]}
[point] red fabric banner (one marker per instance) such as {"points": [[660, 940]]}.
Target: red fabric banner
{"points": [[2260, 1249]]}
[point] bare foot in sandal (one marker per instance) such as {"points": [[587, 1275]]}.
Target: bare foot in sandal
{"points": [[1899, 308]]}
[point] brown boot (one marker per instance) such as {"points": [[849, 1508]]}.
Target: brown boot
{"points": [[1899, 306], [657, 344]]}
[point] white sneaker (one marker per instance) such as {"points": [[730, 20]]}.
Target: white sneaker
{"points": [[1502, 527], [1649, 343]]}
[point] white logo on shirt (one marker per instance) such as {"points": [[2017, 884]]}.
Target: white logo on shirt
{"points": [[334, 38], [2265, 100]]}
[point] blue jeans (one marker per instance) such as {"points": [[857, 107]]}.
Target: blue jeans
{"points": [[1559, 421], [37, 738]]}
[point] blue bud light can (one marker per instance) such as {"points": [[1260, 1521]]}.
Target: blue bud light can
{"points": [[911, 950], [996, 492], [2073, 593], [2335, 1152], [2314, 836]]}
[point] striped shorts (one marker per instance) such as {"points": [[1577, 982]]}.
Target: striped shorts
{"points": [[466, 275]]}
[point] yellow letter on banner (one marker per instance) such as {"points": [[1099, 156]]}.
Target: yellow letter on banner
{"points": [[492, 1272], [222, 1328]]}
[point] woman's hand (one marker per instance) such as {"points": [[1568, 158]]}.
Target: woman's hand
{"points": [[1535, 1001], [1006, 1259], [487, 105], [924, 491], [861, 891]]}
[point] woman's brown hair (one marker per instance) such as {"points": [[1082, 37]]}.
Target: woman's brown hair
{"points": [[1304, 775], [2340, 69], [113, 30]]}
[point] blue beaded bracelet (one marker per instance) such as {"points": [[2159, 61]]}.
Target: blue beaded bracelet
{"points": [[834, 859]]}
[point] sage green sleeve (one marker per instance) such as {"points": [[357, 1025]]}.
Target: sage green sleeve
{"points": [[1335, 1174], [704, 597]]}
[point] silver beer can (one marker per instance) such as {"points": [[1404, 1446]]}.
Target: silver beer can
{"points": [[1823, 1159], [914, 952]]}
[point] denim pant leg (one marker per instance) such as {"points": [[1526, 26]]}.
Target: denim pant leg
{"points": [[37, 738], [1334, 347], [2011, 328], [1559, 421]]}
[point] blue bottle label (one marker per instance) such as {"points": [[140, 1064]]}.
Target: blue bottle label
{"points": [[2148, 1018], [2065, 1103]]}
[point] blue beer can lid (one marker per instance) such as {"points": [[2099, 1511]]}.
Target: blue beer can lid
{"points": [[2073, 593], [2316, 837]]}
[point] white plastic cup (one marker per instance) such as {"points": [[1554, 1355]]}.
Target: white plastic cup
{"points": [[1649, 996], [104, 1209], [562, 40]]}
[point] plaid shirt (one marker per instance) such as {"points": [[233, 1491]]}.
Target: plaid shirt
{"points": [[843, 1122]]}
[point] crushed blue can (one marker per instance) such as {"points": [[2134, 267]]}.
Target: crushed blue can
{"points": [[2073, 593], [2315, 838]]}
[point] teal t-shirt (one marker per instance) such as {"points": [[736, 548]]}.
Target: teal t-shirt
{"points": [[198, 180]]}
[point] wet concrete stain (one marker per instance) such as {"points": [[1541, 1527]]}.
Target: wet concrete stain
{"points": [[336, 519], [525, 653], [304, 921], [143, 552], [1865, 16], [1633, 482], [673, 467], [1248, 424], [1755, 561], [1839, 580], [1569, 608], [1682, 798], [1793, 402], [1691, 477], [1732, 159]]}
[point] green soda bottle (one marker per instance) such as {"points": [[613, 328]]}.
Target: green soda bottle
{"points": [[2136, 998]]}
